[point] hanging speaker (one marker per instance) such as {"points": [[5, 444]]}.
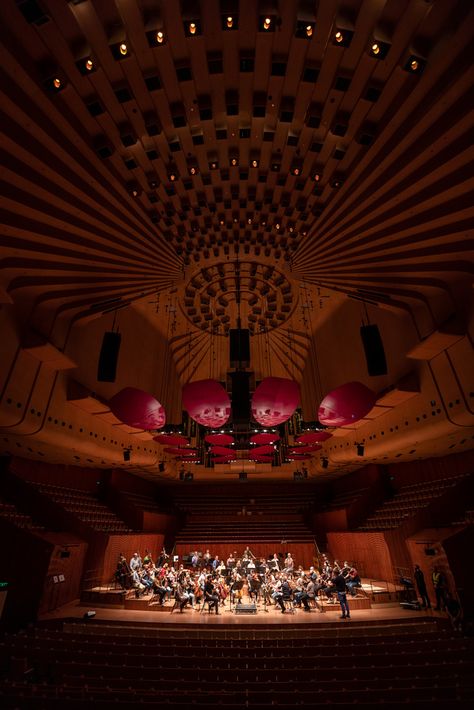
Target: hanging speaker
{"points": [[239, 347], [240, 397], [109, 352], [374, 352]]}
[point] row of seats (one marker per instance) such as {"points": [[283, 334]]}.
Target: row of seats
{"points": [[85, 506], [8, 511], [407, 502]]}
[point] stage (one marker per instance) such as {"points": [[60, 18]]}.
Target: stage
{"points": [[375, 602]]}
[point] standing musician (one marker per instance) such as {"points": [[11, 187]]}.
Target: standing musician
{"points": [[236, 587], [248, 554], [210, 594], [122, 573], [163, 557]]}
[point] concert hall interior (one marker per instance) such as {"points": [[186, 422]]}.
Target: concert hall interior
{"points": [[236, 310]]}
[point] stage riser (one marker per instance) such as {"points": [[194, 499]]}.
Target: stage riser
{"points": [[111, 599]]}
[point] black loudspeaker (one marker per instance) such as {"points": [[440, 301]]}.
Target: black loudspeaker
{"points": [[161, 467], [109, 352], [430, 551], [374, 352], [240, 397], [239, 347]]}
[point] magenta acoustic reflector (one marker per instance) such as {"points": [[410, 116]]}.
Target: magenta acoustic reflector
{"points": [[275, 400], [207, 402], [346, 404], [138, 409]]}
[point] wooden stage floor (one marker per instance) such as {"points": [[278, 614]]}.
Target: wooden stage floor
{"points": [[139, 611]]}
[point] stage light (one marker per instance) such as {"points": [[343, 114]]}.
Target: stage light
{"points": [[339, 37], [192, 28], [89, 65], [379, 49], [414, 65], [267, 23], [309, 30], [57, 83], [230, 22], [123, 49]]}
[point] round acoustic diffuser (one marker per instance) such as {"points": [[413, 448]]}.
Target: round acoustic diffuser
{"points": [[275, 400], [138, 409], [264, 438], [207, 402], [346, 404], [221, 439]]}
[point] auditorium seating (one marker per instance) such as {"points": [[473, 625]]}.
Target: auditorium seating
{"points": [[84, 506], [407, 502], [144, 502], [9, 511], [343, 500], [417, 663]]}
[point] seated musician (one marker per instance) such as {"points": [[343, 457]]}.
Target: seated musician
{"points": [[195, 559], [301, 593], [254, 586], [251, 565], [181, 595], [275, 562], [277, 593], [230, 562], [210, 594], [353, 581]]}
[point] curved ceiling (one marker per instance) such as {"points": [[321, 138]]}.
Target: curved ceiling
{"points": [[162, 148]]}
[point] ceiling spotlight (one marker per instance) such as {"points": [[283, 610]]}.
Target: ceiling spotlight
{"points": [[309, 30], [123, 49], [213, 165], [57, 83], [172, 177], [192, 28], [316, 177], [89, 64], [160, 37], [360, 449], [254, 163], [342, 37], [414, 65], [230, 22], [267, 23], [379, 49], [234, 162]]}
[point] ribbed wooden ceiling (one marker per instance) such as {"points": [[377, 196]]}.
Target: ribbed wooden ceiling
{"points": [[310, 158]]}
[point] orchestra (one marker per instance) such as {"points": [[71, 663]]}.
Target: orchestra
{"points": [[209, 580]]}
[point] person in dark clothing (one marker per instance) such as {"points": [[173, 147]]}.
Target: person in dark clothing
{"points": [[210, 595], [421, 585], [339, 584], [440, 588]]}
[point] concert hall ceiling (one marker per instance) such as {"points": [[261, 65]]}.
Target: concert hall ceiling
{"points": [[302, 165]]}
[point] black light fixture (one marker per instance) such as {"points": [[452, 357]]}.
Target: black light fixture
{"points": [[360, 449], [127, 454], [324, 462], [304, 29]]}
